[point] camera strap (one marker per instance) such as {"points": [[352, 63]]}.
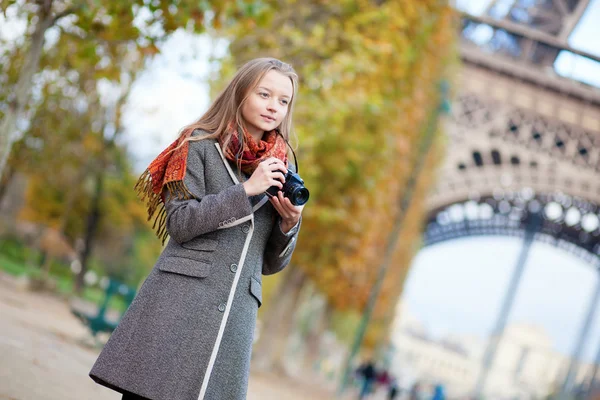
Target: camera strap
{"points": [[288, 144]]}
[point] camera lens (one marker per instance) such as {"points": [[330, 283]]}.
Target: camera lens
{"points": [[299, 196]]}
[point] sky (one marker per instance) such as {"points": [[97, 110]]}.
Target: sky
{"points": [[170, 94], [457, 287], [454, 287], [582, 38]]}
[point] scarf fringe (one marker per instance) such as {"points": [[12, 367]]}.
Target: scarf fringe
{"points": [[155, 203], [169, 168]]}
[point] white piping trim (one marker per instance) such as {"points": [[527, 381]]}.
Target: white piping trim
{"points": [[236, 222], [287, 247], [235, 180], [213, 356]]}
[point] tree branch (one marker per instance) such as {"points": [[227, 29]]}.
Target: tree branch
{"points": [[64, 13]]}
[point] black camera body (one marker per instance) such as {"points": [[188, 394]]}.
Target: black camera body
{"points": [[293, 189]]}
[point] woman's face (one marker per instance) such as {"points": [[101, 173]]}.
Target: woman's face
{"points": [[267, 104]]}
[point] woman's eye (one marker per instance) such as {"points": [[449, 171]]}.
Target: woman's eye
{"points": [[264, 95], [284, 102]]}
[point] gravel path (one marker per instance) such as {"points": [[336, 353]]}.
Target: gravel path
{"points": [[43, 354]]}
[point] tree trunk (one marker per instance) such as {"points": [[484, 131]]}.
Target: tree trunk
{"points": [[5, 180], [93, 221], [94, 216], [313, 339], [45, 258], [278, 324], [22, 90]]}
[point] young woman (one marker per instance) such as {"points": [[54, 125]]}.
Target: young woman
{"points": [[188, 333]]}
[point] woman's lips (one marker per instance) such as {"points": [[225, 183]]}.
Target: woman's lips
{"points": [[267, 118]]}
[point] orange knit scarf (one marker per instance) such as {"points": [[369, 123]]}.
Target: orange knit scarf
{"points": [[272, 144], [168, 171]]}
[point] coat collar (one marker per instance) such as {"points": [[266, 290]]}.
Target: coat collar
{"points": [[263, 200]]}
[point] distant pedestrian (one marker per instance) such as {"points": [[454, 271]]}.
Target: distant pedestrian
{"points": [[369, 374], [415, 392], [393, 389], [383, 378], [438, 393]]}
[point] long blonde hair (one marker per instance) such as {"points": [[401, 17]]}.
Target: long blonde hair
{"points": [[227, 107]]}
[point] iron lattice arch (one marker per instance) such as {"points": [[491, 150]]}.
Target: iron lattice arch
{"points": [[499, 145], [568, 223], [536, 132], [523, 153]]}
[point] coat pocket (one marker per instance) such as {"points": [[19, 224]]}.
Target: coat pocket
{"points": [[185, 266], [199, 248], [201, 243], [256, 290]]}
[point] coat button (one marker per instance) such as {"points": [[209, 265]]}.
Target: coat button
{"points": [[233, 267], [222, 307], [245, 228]]}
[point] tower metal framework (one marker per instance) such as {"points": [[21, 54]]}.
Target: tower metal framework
{"points": [[522, 137]]}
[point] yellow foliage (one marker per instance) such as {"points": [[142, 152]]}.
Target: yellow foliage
{"points": [[369, 83]]}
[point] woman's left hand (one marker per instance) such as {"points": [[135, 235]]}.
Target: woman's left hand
{"points": [[290, 214]]}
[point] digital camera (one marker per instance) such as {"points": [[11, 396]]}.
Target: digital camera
{"points": [[293, 189]]}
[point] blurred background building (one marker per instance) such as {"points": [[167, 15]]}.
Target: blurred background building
{"points": [[527, 365]]}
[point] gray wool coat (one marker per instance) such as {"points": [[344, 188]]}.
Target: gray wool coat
{"points": [[188, 333]]}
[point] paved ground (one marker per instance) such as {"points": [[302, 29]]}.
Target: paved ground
{"points": [[43, 354]]}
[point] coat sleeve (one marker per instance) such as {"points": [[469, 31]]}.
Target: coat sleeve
{"points": [[280, 247], [205, 213]]}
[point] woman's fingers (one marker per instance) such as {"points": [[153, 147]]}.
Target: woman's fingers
{"points": [[282, 200], [270, 172], [274, 164], [286, 205], [277, 199], [272, 160], [286, 209], [278, 175], [276, 182], [277, 204]]}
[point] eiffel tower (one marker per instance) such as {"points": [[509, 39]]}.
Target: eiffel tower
{"points": [[524, 146]]}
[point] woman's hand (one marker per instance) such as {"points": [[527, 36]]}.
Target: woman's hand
{"points": [[290, 214], [268, 173]]}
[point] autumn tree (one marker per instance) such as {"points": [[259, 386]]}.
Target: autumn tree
{"points": [[90, 32], [73, 135], [369, 73], [80, 183]]}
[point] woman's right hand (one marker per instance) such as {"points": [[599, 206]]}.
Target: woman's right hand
{"points": [[268, 173]]}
